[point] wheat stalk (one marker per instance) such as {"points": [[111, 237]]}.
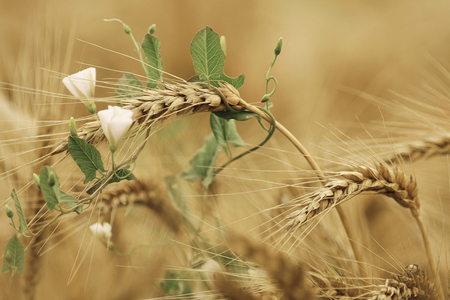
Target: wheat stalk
{"points": [[148, 193], [157, 105]]}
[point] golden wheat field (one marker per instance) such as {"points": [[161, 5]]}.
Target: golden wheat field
{"points": [[343, 191]]}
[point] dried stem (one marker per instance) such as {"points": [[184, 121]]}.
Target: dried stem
{"points": [[346, 224]]}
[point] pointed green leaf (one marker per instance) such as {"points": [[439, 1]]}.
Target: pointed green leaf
{"points": [[207, 54], [86, 156], [234, 137], [23, 223], [14, 258], [129, 87], [236, 82], [122, 175], [70, 202], [202, 165], [51, 193], [209, 59], [152, 46], [176, 194], [219, 128]]}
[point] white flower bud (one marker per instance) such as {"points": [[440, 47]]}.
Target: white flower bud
{"points": [[82, 85], [115, 121], [102, 231]]}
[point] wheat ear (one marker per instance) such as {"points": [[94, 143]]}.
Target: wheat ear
{"points": [[148, 193], [411, 284], [230, 289], [157, 105], [382, 179], [424, 149], [289, 275]]}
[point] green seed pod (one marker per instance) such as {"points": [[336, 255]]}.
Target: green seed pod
{"points": [[9, 211], [152, 29], [265, 98], [37, 180], [73, 128], [223, 44], [277, 49]]}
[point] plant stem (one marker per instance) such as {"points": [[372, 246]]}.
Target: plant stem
{"points": [[321, 176], [431, 262]]}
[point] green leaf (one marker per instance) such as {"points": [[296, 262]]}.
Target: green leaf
{"points": [[23, 223], [86, 156], [219, 128], [241, 115], [202, 165], [236, 82], [70, 202], [152, 46], [207, 54], [129, 87], [123, 174], [51, 194], [234, 137], [14, 258], [209, 59], [176, 194]]}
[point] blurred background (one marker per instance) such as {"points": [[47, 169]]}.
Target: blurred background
{"points": [[333, 52]]}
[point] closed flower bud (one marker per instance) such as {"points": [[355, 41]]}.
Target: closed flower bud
{"points": [[82, 86], [8, 257], [9, 211], [37, 180], [265, 98], [103, 233], [51, 179], [115, 122], [223, 44], [277, 49], [73, 128], [152, 29], [126, 28]]}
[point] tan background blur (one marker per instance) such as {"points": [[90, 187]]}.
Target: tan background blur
{"points": [[370, 46]]}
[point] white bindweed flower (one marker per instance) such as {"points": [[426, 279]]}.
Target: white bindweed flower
{"points": [[102, 231], [115, 123], [82, 85]]}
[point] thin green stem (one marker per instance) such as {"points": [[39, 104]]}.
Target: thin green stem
{"points": [[271, 132]]}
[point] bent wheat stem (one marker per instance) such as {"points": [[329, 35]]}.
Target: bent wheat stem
{"points": [[321, 176]]}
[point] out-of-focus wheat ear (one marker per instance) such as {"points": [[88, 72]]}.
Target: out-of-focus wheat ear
{"points": [[157, 105], [411, 284], [290, 276], [151, 194], [423, 149], [335, 287], [230, 289]]}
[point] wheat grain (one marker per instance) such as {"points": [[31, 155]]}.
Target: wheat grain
{"points": [[382, 179], [157, 105]]}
